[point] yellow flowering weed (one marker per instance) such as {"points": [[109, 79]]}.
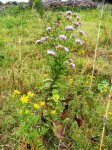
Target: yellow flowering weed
{"points": [[42, 103], [24, 99], [30, 94], [36, 105], [53, 112], [17, 92]]}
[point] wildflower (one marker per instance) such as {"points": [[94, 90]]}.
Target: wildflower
{"points": [[53, 112], [50, 52], [43, 39], [17, 92], [68, 12], [62, 37], [68, 18], [48, 29], [81, 32], [78, 18], [36, 105], [105, 86], [78, 41], [71, 81], [76, 24], [42, 103], [66, 49], [24, 99], [20, 111], [69, 28], [27, 111], [30, 94], [38, 41], [72, 36], [110, 113], [75, 14], [45, 75], [70, 60], [82, 52], [60, 47], [72, 65]]}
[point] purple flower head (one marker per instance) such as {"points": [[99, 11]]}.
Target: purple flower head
{"points": [[68, 12], [50, 52], [43, 39], [38, 41], [69, 28], [70, 60], [60, 47], [75, 14], [76, 24], [48, 28], [78, 18], [73, 36], [68, 17], [81, 32], [66, 49], [72, 65], [62, 37], [78, 41]]}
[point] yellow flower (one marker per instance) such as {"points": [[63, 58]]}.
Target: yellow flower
{"points": [[13, 95], [24, 99], [82, 52], [30, 94], [36, 105], [27, 111], [92, 77], [102, 91], [45, 75], [87, 82], [71, 80], [105, 86], [53, 112], [17, 92], [42, 103], [20, 111], [110, 113]]}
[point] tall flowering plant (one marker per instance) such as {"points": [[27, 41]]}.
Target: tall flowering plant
{"points": [[41, 114]]}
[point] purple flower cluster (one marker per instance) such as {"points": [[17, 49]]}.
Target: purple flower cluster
{"points": [[69, 28], [68, 18], [60, 47], [68, 12], [71, 63], [48, 29], [66, 49], [75, 14], [62, 37], [43, 39], [78, 41], [73, 36], [50, 52], [81, 33], [76, 24]]}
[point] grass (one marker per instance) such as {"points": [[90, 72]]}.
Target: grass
{"points": [[23, 66]]}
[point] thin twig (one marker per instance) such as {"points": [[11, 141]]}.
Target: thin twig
{"points": [[96, 48], [106, 115]]}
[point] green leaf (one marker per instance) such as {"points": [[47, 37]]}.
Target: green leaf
{"points": [[90, 102], [56, 97]]}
